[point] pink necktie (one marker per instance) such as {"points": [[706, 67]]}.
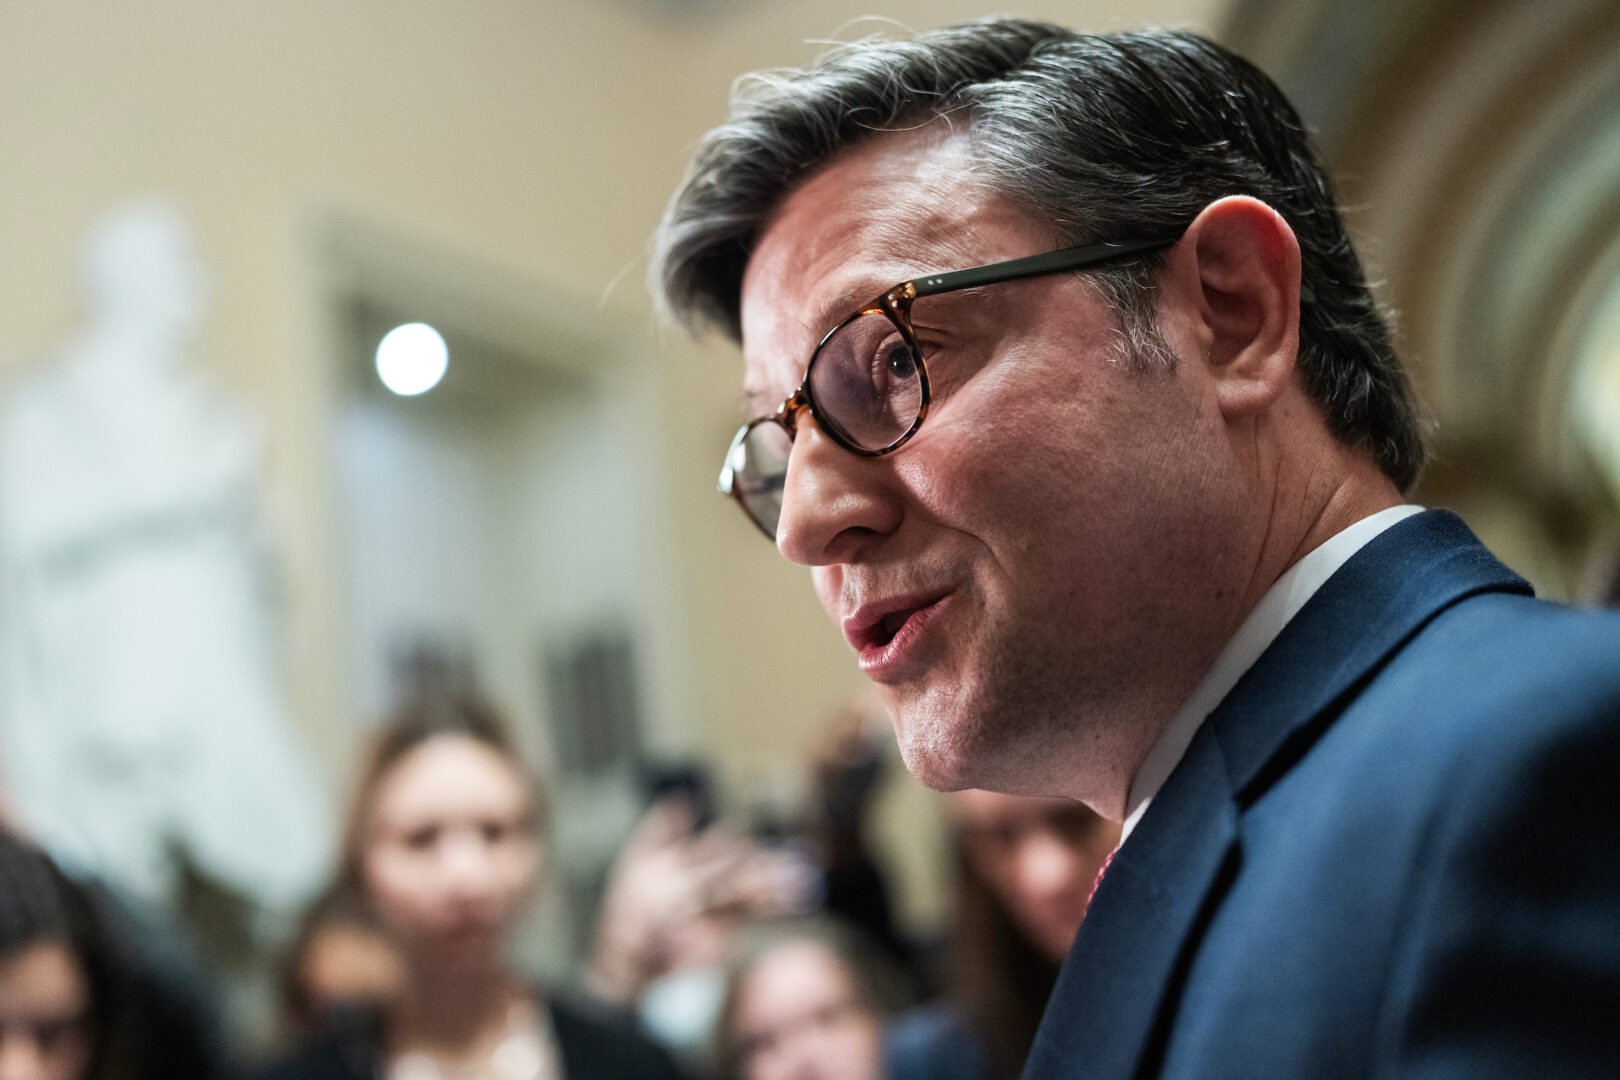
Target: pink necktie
{"points": [[1101, 870]]}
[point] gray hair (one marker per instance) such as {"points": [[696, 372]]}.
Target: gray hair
{"points": [[1102, 136]]}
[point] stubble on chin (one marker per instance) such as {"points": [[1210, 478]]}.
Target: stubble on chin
{"points": [[924, 751], [950, 739]]}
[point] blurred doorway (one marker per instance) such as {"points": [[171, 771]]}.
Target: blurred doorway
{"points": [[489, 530]]}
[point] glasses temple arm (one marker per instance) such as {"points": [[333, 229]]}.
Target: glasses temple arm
{"points": [[1052, 262]]}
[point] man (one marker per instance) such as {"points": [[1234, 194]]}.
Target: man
{"points": [[1115, 513]]}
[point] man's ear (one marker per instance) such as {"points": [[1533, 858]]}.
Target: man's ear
{"points": [[1239, 261]]}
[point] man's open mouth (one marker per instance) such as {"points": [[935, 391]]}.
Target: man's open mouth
{"points": [[884, 631], [874, 626]]}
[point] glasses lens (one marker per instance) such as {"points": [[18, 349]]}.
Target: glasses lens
{"points": [[757, 468], [866, 382]]}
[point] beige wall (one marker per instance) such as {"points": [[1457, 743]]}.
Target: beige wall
{"points": [[541, 137]]}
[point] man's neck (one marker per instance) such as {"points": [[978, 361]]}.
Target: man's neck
{"points": [[1313, 499], [1276, 609], [1306, 514]]}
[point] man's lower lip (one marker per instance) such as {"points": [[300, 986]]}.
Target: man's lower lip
{"points": [[877, 661]]}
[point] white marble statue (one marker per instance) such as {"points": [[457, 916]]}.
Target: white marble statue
{"points": [[142, 716]]}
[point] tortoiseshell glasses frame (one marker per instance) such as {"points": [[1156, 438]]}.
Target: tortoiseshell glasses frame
{"points": [[845, 397]]}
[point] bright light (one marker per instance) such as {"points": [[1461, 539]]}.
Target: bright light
{"points": [[411, 359]]}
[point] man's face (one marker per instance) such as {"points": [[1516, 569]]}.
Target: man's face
{"points": [[1025, 579]]}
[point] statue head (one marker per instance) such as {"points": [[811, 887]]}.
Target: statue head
{"points": [[141, 273]]}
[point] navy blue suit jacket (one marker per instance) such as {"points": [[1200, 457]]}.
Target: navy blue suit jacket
{"points": [[1392, 851]]}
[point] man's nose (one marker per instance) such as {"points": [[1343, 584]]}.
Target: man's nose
{"points": [[833, 500]]}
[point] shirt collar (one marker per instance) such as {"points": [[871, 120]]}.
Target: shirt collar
{"points": [[1280, 604]]}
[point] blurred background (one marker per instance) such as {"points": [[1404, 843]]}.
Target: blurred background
{"points": [[228, 546]]}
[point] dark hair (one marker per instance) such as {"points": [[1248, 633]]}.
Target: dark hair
{"points": [[991, 970], [1102, 136], [41, 905], [424, 716], [879, 988]]}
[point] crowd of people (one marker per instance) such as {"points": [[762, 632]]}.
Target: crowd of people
{"points": [[717, 952]]}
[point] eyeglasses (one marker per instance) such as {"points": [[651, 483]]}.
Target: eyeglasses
{"points": [[867, 381]]}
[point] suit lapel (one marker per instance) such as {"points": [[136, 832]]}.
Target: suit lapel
{"points": [[1109, 1013], [1358, 619]]}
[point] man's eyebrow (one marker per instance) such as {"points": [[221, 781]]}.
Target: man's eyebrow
{"points": [[754, 402], [838, 308]]}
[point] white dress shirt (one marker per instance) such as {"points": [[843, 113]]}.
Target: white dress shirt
{"points": [[1280, 604]]}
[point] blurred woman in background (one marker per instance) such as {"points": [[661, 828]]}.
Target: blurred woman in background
{"points": [[443, 851], [1024, 873], [805, 1000], [63, 1001]]}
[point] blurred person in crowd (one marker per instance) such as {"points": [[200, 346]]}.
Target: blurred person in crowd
{"points": [[85, 991], [804, 1001], [64, 999], [443, 850], [1024, 869], [340, 959], [680, 890]]}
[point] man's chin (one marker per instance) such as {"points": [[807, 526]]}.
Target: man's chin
{"points": [[966, 747], [935, 764]]}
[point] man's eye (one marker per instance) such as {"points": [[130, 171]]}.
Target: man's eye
{"points": [[901, 360], [893, 362]]}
